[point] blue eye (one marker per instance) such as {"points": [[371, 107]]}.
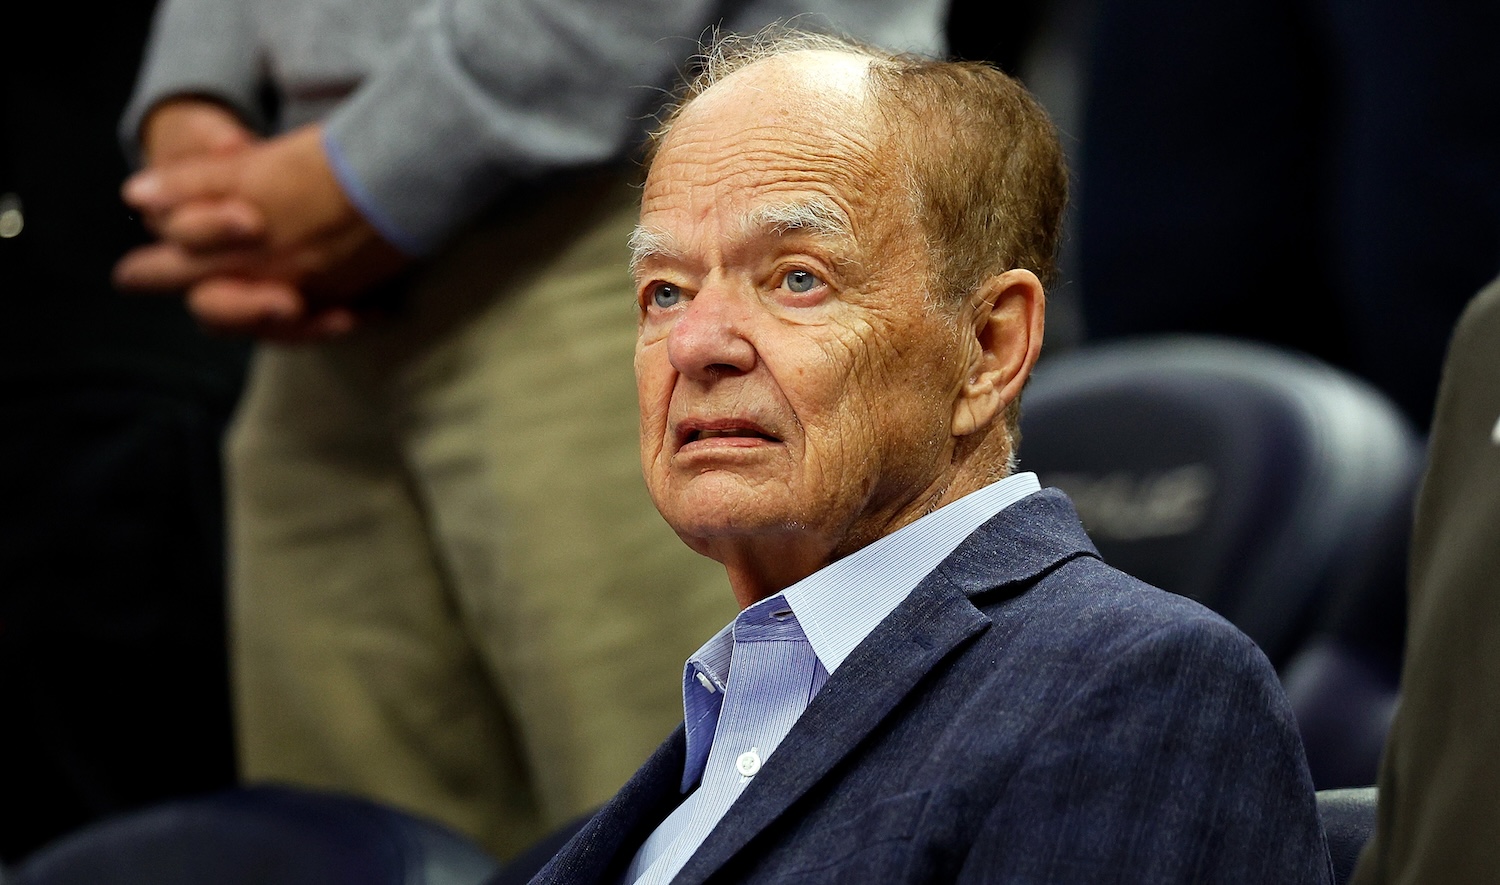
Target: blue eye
{"points": [[801, 281], [665, 295]]}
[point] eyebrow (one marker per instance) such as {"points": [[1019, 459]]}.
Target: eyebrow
{"points": [[646, 243], [814, 217], [804, 216]]}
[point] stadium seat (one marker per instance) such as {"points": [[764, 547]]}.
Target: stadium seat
{"points": [[261, 836]]}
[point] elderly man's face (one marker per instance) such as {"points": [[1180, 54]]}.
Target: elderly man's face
{"points": [[796, 383]]}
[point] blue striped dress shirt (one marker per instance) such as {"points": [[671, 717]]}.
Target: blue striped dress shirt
{"points": [[746, 687]]}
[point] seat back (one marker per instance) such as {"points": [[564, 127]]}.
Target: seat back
{"points": [[1344, 701], [261, 836], [1348, 817], [1254, 480]]}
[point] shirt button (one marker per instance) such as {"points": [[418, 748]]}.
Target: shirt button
{"points": [[748, 763], [707, 683]]}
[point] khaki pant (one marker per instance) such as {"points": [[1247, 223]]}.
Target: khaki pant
{"points": [[450, 591]]}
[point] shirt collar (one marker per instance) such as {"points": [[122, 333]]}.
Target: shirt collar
{"points": [[840, 604]]}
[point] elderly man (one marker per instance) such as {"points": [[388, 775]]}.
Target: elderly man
{"points": [[933, 677]]}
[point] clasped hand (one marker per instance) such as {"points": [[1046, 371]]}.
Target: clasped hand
{"points": [[257, 233]]}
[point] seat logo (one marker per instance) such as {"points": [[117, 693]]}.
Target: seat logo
{"points": [[1129, 506]]}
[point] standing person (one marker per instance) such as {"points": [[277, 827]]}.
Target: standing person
{"points": [[450, 591], [1439, 775]]}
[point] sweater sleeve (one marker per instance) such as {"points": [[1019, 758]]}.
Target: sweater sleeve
{"points": [[197, 47], [482, 94]]}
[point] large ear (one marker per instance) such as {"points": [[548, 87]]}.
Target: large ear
{"points": [[1007, 314]]}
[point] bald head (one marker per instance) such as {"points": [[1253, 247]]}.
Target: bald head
{"points": [[822, 78], [773, 125]]}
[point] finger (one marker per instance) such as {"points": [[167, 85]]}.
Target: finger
{"points": [[198, 139], [208, 148], [240, 306], [167, 267], [321, 326], [208, 225], [185, 126], [158, 267], [160, 188]]}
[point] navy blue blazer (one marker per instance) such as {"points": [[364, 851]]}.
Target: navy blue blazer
{"points": [[1028, 714]]}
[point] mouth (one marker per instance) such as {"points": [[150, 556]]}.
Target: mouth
{"points": [[725, 432]]}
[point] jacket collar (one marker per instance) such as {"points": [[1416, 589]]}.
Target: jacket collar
{"points": [[602, 849]]}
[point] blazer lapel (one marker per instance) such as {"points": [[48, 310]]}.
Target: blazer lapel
{"points": [[603, 848], [1018, 546], [871, 682], [1007, 554]]}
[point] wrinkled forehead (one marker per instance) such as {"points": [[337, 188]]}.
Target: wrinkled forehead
{"points": [[791, 130]]}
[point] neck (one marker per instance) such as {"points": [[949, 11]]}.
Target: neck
{"points": [[766, 567], [763, 566]]}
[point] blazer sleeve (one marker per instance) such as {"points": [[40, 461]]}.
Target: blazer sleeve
{"points": [[1179, 761]]}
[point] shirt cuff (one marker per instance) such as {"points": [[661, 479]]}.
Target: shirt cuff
{"points": [[364, 201]]}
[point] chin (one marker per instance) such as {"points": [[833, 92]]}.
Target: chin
{"points": [[704, 520]]}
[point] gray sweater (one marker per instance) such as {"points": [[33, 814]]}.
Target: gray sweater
{"points": [[434, 109]]}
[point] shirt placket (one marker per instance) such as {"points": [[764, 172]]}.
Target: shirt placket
{"points": [[771, 677]]}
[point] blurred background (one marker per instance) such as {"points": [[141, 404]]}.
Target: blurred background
{"points": [[1322, 177]]}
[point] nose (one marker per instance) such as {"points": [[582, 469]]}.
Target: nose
{"points": [[709, 340]]}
